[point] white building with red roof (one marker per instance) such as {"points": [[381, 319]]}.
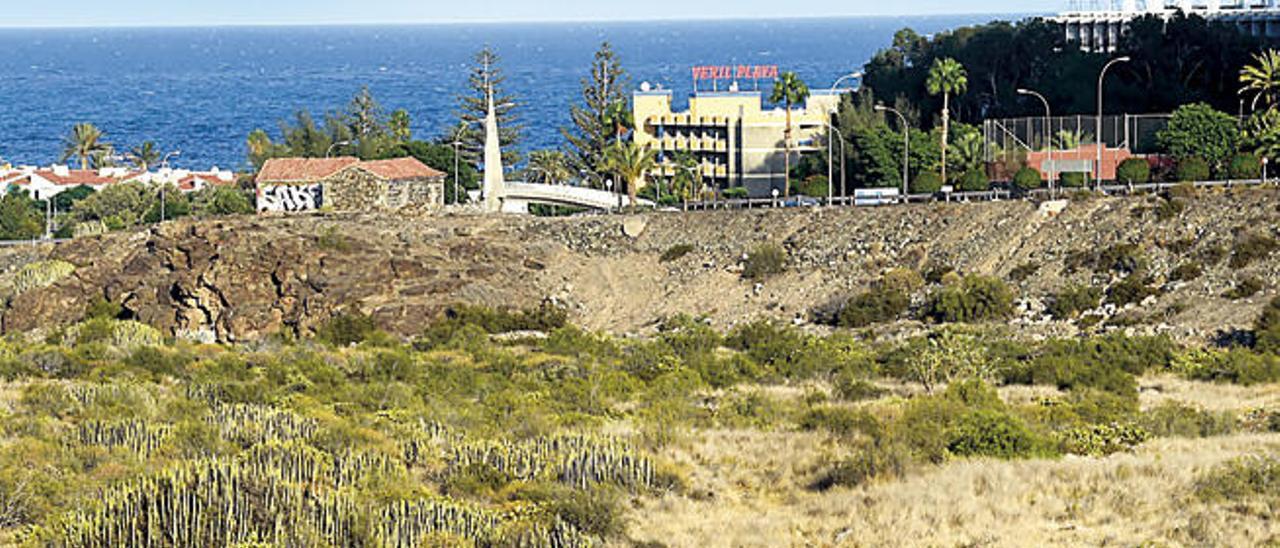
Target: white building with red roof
{"points": [[348, 184], [44, 183]]}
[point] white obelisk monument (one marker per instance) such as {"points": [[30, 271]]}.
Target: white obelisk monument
{"points": [[494, 180]]}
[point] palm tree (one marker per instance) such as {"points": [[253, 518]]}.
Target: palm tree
{"points": [[145, 155], [619, 116], [630, 162], [1262, 79], [85, 142], [549, 167], [789, 90], [946, 77]]}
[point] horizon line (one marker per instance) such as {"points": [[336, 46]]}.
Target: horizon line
{"points": [[495, 22]]}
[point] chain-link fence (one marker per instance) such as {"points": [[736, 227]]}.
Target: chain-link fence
{"points": [[1007, 137]]}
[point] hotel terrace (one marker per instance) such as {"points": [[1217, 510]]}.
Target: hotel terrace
{"points": [[736, 141]]}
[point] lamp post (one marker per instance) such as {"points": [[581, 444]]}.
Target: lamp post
{"points": [[456, 143], [844, 191], [1048, 132], [328, 152], [851, 75], [1265, 161], [1101, 77], [609, 184], [164, 164], [906, 148]]}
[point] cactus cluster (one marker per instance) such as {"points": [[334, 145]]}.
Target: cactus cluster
{"points": [[140, 437], [580, 461], [115, 333], [250, 424], [257, 500], [41, 274]]}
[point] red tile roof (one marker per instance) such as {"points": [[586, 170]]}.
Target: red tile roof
{"points": [[303, 170], [307, 170], [400, 169], [77, 177]]}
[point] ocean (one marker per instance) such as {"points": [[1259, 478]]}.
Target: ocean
{"points": [[202, 90]]}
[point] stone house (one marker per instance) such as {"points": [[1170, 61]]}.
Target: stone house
{"points": [[348, 184]]}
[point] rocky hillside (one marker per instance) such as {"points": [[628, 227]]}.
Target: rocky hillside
{"points": [[245, 278]]}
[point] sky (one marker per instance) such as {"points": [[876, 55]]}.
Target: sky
{"points": [[59, 13]]}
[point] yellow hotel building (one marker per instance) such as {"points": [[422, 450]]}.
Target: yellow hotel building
{"points": [[736, 140]]}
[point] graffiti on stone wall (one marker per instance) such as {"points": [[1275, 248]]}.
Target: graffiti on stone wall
{"points": [[288, 198]]}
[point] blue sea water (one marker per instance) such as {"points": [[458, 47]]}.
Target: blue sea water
{"points": [[202, 90]]}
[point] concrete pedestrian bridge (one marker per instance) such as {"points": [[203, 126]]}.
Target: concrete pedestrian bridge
{"points": [[516, 197]]}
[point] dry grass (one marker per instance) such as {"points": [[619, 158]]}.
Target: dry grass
{"points": [[1210, 396], [747, 490]]}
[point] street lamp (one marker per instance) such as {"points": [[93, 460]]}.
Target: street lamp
{"points": [[164, 164], [1048, 132], [1265, 161], [844, 191], [609, 184], [329, 152], [456, 144], [906, 148], [851, 75], [1102, 76]]}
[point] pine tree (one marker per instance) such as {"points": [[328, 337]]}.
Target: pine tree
{"points": [[473, 107], [592, 132]]}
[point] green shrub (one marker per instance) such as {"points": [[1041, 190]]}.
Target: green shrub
{"points": [[1169, 209], [870, 461], [850, 388], [1183, 191], [1027, 179], [1023, 271], [1240, 480], [1074, 179], [1069, 303], [1186, 272], [1245, 166], [1237, 366], [879, 305], [927, 182], [1174, 419], [1106, 363], [975, 180], [103, 309], [1133, 289], [1244, 288], [841, 422], [676, 252], [736, 193], [1100, 440], [764, 262], [1193, 169], [1134, 171], [904, 280], [976, 299], [1267, 328], [346, 329], [989, 433], [813, 187], [1251, 248]]}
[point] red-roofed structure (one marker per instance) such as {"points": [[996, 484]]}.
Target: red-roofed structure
{"points": [[346, 183]]}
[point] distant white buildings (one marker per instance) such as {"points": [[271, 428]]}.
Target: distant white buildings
{"points": [[1097, 25], [44, 183]]}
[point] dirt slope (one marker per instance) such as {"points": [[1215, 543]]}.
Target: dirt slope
{"points": [[243, 278]]}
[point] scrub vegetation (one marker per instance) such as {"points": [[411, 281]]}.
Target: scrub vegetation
{"points": [[504, 427]]}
